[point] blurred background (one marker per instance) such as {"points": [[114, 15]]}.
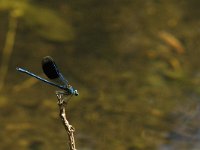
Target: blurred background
{"points": [[135, 64]]}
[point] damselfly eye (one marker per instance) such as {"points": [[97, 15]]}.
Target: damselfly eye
{"points": [[76, 93]]}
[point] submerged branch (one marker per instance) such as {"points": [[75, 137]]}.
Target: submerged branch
{"points": [[8, 48]]}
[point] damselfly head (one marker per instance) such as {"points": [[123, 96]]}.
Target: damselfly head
{"points": [[76, 93], [72, 90]]}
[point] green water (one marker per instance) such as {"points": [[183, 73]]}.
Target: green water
{"points": [[137, 90]]}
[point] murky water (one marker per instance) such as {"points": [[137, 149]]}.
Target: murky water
{"points": [[135, 64]]}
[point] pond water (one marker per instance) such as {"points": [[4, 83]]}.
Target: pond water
{"points": [[135, 64]]}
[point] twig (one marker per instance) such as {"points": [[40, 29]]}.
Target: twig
{"points": [[69, 128]]}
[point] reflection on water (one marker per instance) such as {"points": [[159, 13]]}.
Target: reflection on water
{"points": [[135, 64]]}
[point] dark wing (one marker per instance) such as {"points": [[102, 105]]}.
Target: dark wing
{"points": [[49, 68], [52, 72]]}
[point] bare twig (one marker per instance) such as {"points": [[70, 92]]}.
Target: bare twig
{"points": [[69, 128]]}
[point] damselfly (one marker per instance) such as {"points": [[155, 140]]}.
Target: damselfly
{"points": [[52, 72]]}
